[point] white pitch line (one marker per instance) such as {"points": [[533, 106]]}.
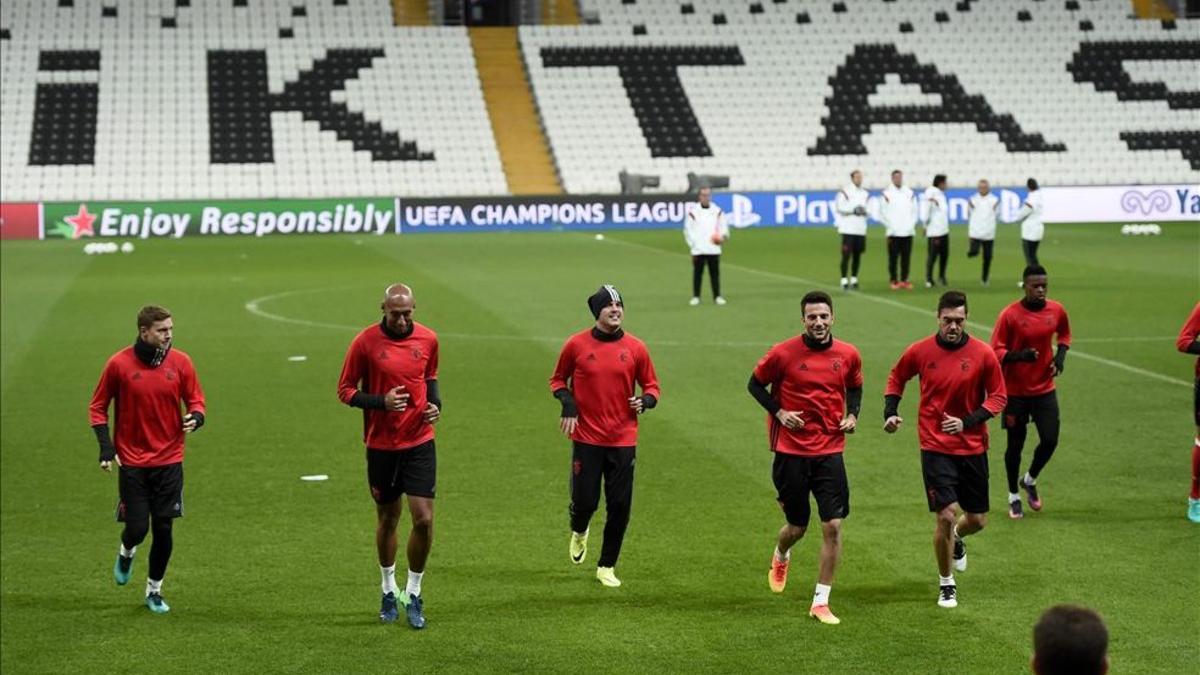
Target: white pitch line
{"points": [[255, 307], [1128, 338], [900, 305]]}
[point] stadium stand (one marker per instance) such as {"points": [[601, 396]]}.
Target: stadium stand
{"points": [[804, 91], [133, 99], [179, 99]]}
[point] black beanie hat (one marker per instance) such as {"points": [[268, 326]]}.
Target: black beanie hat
{"points": [[603, 298]]}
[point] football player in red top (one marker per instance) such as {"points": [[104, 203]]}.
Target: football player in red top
{"points": [[391, 373], [595, 380], [813, 402], [158, 401], [1021, 339], [1189, 343], [961, 389]]}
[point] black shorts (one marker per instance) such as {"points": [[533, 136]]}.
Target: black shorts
{"points": [[146, 491], [956, 478], [824, 476], [854, 243], [412, 472], [1042, 408]]}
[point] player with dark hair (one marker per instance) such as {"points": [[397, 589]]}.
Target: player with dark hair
{"points": [[935, 213], [898, 211], [1021, 340], [850, 214], [961, 388], [158, 401], [1189, 343], [1070, 640], [595, 380], [390, 372], [814, 399], [982, 209]]}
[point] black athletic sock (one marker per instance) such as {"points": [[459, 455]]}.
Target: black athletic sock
{"points": [[1012, 456], [845, 259], [1047, 442], [987, 259], [160, 549], [714, 274], [697, 274], [134, 533], [854, 261]]}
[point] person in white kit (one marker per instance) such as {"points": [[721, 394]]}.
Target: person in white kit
{"points": [[850, 216], [1032, 227], [981, 225], [936, 216], [898, 211], [705, 228]]}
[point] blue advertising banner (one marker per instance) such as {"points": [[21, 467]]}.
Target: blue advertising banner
{"points": [[575, 212], [816, 208]]}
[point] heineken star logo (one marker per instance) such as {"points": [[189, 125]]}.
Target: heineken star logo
{"points": [[76, 226]]}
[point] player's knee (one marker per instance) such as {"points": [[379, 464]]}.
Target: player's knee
{"points": [[977, 520], [794, 531], [422, 523], [135, 532], [946, 518], [618, 509], [832, 529], [162, 527], [389, 518]]}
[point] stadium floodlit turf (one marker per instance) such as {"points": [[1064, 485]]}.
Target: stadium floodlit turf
{"points": [[272, 573]]}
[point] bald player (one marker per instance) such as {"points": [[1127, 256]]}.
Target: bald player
{"points": [[391, 373]]}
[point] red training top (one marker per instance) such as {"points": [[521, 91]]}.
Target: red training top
{"points": [[812, 383], [379, 363], [953, 381], [1188, 335], [1019, 327], [150, 403], [601, 377]]}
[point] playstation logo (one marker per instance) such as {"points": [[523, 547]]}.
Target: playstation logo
{"points": [[741, 212]]}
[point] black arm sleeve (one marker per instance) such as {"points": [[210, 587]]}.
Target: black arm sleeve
{"points": [[362, 399], [107, 451], [891, 406], [433, 394], [1060, 356], [1193, 348], [854, 401], [199, 417], [759, 391], [648, 401], [568, 402], [977, 416]]}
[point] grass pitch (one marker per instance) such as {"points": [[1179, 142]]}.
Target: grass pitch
{"points": [[272, 573]]}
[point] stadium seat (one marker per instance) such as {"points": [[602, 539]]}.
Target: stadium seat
{"points": [[105, 100], [929, 86], [108, 99]]}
